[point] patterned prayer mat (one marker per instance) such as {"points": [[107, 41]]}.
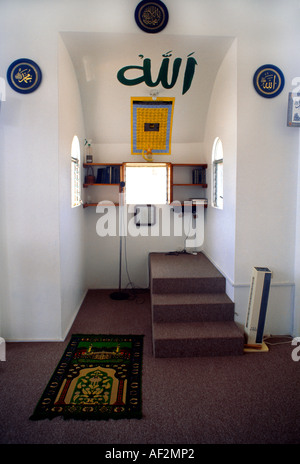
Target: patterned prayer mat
{"points": [[98, 377]]}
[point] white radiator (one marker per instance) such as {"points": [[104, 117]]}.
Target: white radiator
{"points": [[2, 349], [257, 306]]}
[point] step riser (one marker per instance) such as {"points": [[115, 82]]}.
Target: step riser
{"points": [[191, 313], [207, 285], [194, 313], [194, 348]]}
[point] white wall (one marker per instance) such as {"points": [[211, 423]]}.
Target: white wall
{"points": [[38, 301], [263, 203], [30, 301], [106, 249], [72, 220], [296, 314], [267, 172], [222, 122]]}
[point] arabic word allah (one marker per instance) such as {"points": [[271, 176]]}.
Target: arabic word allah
{"points": [[268, 81], [145, 74], [151, 16]]}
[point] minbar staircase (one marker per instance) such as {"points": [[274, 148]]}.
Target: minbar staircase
{"points": [[191, 313]]}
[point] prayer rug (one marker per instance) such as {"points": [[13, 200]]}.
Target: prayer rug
{"points": [[98, 377]]}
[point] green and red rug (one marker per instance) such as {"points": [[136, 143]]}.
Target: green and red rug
{"points": [[98, 377]]}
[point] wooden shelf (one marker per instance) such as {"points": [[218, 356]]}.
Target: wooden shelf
{"points": [[86, 205], [191, 165], [183, 178], [90, 185], [190, 185], [173, 166]]}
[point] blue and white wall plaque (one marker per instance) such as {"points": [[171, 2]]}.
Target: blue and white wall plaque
{"points": [[268, 81], [151, 16], [24, 76]]}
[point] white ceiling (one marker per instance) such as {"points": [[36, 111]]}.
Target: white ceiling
{"points": [[97, 58]]}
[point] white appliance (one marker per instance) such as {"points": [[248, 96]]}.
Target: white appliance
{"points": [[2, 349], [257, 306]]}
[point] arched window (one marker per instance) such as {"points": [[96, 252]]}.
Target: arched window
{"points": [[75, 173], [217, 174]]}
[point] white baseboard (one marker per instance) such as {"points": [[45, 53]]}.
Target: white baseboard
{"points": [[245, 284], [46, 340]]}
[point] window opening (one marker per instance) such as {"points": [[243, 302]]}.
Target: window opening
{"points": [[217, 174], [147, 183], [75, 173]]}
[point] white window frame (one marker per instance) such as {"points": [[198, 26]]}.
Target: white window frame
{"points": [[75, 173], [217, 174]]}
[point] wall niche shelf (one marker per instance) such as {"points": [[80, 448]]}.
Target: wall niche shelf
{"points": [[187, 180], [107, 175], [184, 176], [110, 174]]}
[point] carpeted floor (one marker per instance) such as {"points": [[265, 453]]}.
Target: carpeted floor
{"points": [[249, 399]]}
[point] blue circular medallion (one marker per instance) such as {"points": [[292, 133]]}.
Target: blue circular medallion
{"points": [[268, 81], [24, 76], [151, 16]]}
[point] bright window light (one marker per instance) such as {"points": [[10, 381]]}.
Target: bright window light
{"points": [[217, 173], [147, 183], [75, 173]]}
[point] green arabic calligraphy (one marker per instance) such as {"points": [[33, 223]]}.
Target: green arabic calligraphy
{"points": [[162, 77]]}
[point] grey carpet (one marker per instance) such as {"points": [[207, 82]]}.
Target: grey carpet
{"points": [[253, 398]]}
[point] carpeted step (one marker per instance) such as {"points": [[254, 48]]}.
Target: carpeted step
{"points": [[188, 285], [171, 340], [184, 273], [191, 307], [191, 313]]}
